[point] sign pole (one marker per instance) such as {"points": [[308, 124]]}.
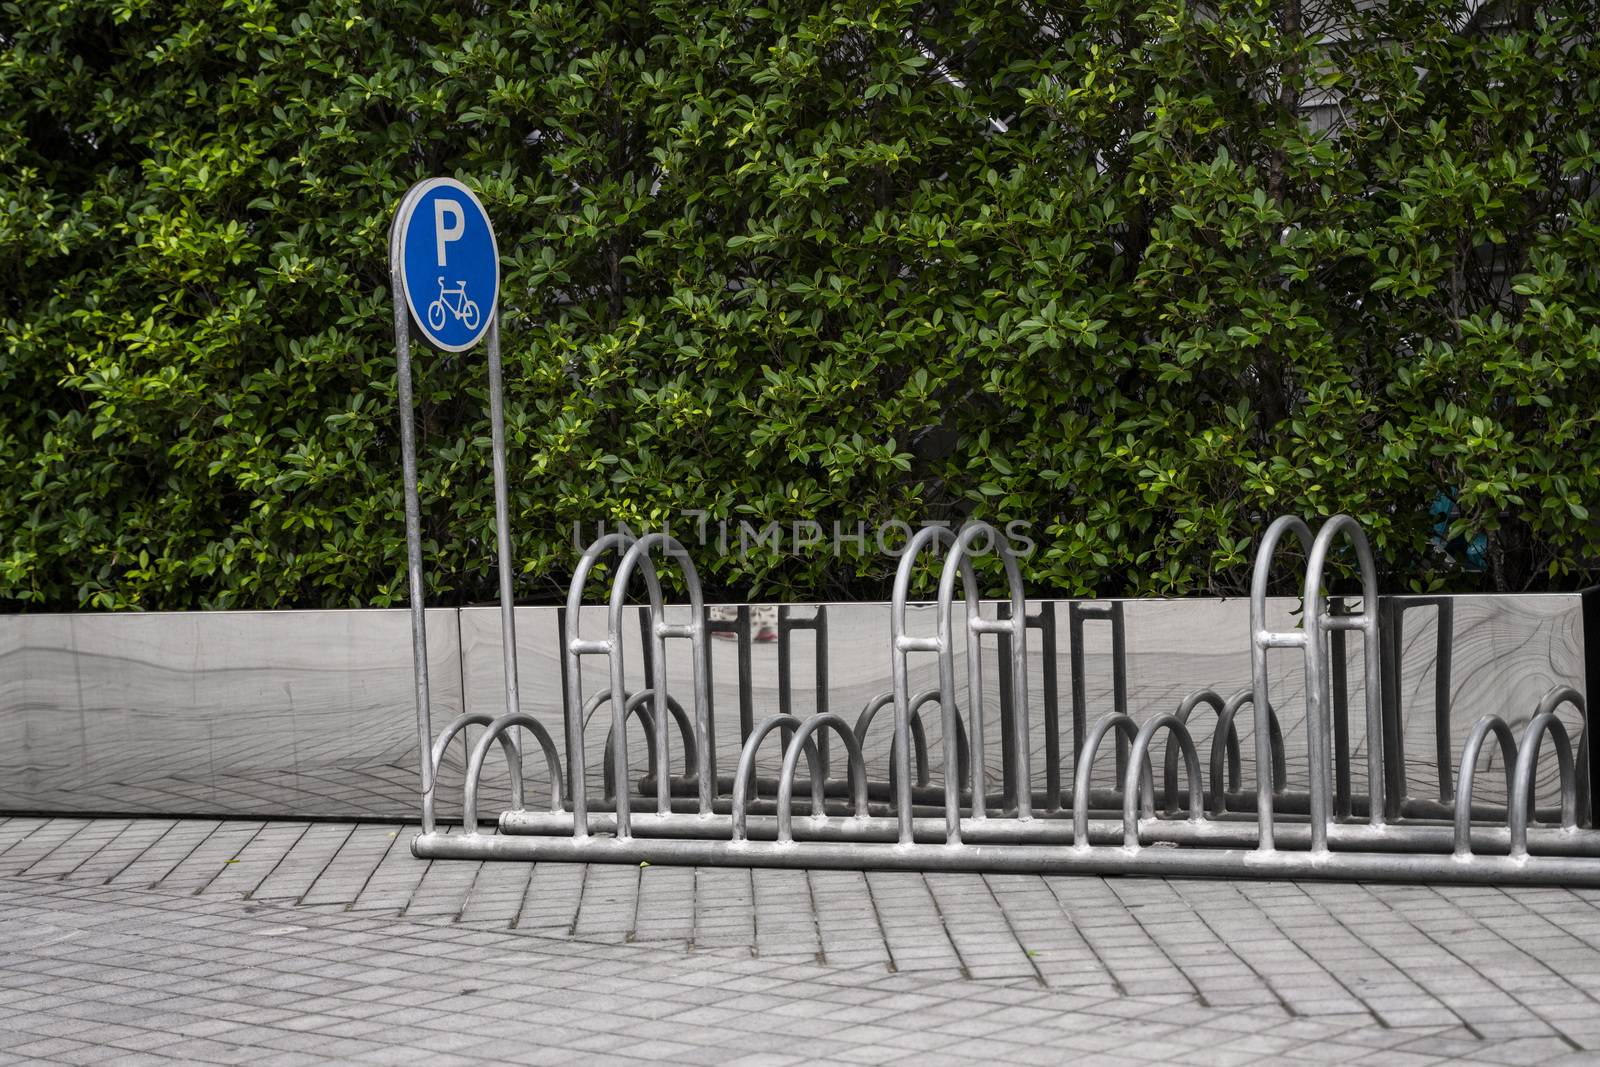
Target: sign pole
{"points": [[445, 273], [413, 506], [502, 522]]}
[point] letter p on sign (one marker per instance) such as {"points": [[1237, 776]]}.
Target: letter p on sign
{"points": [[444, 232]]}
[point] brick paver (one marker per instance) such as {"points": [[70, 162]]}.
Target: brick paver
{"points": [[139, 940]]}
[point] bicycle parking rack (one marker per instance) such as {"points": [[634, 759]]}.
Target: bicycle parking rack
{"points": [[934, 809], [850, 822]]}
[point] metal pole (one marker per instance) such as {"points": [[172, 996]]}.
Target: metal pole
{"points": [[818, 625], [1391, 616], [1444, 649], [1077, 612], [413, 507], [819, 629], [1052, 712], [1080, 696], [747, 700], [502, 521], [1341, 713], [1262, 639], [785, 682]]}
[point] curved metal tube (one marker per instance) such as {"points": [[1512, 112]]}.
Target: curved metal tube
{"points": [[1521, 800], [1262, 639], [1139, 760], [744, 779], [856, 774], [1229, 748], [573, 648], [592, 705], [695, 630], [900, 645], [436, 754], [646, 722], [1319, 675], [1016, 627], [1226, 725], [500, 728], [1469, 770], [1553, 699], [635, 705], [1124, 725], [919, 736], [963, 751]]}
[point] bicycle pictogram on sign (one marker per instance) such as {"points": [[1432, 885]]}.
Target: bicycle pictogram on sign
{"points": [[464, 310]]}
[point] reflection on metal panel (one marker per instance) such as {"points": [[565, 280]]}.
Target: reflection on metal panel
{"points": [[306, 713], [311, 713], [1508, 651]]}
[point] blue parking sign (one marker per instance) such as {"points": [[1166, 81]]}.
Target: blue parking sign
{"points": [[449, 262]]}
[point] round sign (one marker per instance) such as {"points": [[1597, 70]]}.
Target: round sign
{"points": [[448, 261]]}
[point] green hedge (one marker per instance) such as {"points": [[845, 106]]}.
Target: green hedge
{"points": [[1138, 272]]}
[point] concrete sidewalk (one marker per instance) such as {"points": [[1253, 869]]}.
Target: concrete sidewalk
{"points": [[306, 942]]}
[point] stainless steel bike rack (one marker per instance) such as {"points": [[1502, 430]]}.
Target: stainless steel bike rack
{"points": [[934, 809], [847, 823]]}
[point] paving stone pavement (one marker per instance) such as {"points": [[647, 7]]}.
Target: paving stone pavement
{"points": [[135, 940]]}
